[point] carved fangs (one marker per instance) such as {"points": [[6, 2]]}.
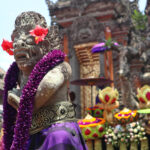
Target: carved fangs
{"points": [[22, 56]]}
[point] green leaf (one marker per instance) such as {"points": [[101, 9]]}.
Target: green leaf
{"points": [[144, 111], [139, 20]]}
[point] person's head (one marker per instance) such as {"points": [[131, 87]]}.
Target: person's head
{"points": [[26, 51]]}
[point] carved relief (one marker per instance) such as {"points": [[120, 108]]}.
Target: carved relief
{"points": [[84, 29], [88, 69]]}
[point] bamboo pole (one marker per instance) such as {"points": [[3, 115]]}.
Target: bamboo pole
{"points": [[109, 72], [144, 144], [109, 147], [98, 144], [134, 146], [123, 146], [89, 144]]}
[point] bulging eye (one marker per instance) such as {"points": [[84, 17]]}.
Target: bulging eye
{"points": [[30, 41]]}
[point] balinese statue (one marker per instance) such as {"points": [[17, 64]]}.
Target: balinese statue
{"points": [[37, 112]]}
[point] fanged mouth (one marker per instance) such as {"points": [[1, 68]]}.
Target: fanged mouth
{"points": [[22, 56]]}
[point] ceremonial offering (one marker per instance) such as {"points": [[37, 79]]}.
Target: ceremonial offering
{"points": [[95, 111], [137, 134], [144, 96], [125, 116], [92, 128], [108, 95], [116, 135], [108, 101]]}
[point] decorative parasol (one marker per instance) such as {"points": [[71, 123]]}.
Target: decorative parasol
{"points": [[101, 47], [92, 81]]}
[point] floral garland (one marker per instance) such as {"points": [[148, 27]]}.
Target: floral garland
{"points": [[9, 113], [18, 141]]}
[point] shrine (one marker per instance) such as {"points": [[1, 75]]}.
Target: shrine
{"points": [[83, 25], [82, 83]]}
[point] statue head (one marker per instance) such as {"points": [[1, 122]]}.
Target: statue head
{"points": [[26, 52]]}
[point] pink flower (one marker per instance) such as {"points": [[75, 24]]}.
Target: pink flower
{"points": [[39, 33], [7, 46]]}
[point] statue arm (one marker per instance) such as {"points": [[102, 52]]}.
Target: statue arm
{"points": [[52, 81]]}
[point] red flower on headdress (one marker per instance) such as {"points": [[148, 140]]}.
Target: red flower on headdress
{"points": [[7, 46], [39, 33]]}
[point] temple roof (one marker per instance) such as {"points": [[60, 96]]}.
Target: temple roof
{"points": [[59, 4]]}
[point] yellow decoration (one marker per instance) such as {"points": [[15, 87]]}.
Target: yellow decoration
{"points": [[90, 121], [143, 95], [108, 98], [125, 116], [108, 95], [92, 128]]}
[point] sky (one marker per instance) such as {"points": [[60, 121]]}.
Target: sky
{"points": [[10, 9]]}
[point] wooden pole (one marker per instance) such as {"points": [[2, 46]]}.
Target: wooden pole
{"points": [[66, 51], [109, 72]]}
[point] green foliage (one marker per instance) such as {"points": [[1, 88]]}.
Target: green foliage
{"points": [[109, 43], [139, 20], [144, 111]]}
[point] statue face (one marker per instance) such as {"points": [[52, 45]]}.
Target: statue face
{"points": [[26, 51]]}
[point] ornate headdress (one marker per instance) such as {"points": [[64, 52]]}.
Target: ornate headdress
{"points": [[29, 20]]}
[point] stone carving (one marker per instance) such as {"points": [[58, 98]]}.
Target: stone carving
{"points": [[137, 49], [45, 64], [126, 55], [124, 10], [84, 29], [26, 53]]}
